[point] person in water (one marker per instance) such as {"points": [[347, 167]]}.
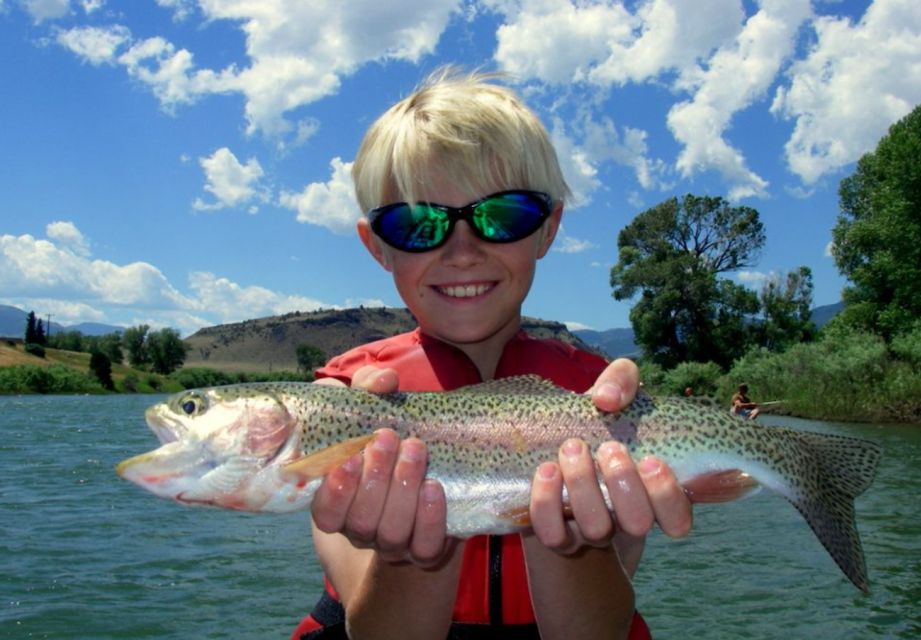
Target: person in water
{"points": [[463, 194], [742, 406]]}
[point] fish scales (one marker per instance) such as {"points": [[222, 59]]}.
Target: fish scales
{"points": [[484, 443]]}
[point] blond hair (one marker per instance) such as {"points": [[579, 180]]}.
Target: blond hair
{"points": [[460, 125]]}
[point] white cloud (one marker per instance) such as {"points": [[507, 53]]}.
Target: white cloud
{"points": [[96, 45], [34, 267], [232, 183], [568, 244], [736, 76], [233, 302], [753, 278], [855, 82], [296, 51], [829, 249], [558, 41], [58, 276], [67, 235], [330, 204], [42, 10], [577, 326]]}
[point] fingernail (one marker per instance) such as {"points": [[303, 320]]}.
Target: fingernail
{"points": [[572, 447], [547, 471], [649, 466], [384, 442], [412, 451], [610, 449]]}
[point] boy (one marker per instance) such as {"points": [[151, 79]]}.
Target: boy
{"points": [[463, 267]]}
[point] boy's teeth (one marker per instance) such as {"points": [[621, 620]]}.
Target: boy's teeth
{"points": [[465, 291]]}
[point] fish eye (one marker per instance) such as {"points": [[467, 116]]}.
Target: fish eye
{"points": [[192, 404]]}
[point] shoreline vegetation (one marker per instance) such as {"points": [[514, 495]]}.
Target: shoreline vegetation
{"points": [[843, 376]]}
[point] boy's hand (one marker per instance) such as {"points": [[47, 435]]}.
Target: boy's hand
{"points": [[616, 387], [380, 499], [643, 493]]}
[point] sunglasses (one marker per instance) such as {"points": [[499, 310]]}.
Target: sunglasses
{"points": [[507, 216]]}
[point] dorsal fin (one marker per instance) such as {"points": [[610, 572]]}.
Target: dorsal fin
{"points": [[516, 385]]}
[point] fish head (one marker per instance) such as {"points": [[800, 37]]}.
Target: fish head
{"points": [[223, 446]]}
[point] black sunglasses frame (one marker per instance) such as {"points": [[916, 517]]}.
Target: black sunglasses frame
{"points": [[465, 213]]}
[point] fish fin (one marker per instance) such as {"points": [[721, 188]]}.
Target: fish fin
{"points": [[720, 486], [319, 463], [518, 516], [516, 385], [843, 469]]}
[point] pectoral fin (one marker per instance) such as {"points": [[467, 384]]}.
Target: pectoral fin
{"points": [[319, 463], [720, 486]]}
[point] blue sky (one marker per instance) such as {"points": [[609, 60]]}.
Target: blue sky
{"points": [[185, 164]]}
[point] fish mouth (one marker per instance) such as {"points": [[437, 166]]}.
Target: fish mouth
{"points": [[166, 429]]}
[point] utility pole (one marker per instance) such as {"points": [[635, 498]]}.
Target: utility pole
{"points": [[48, 330]]}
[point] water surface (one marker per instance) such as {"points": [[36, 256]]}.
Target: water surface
{"points": [[84, 554]]}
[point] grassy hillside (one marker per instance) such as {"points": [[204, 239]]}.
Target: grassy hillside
{"points": [[20, 364], [270, 344]]}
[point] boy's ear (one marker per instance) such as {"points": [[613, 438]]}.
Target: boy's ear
{"points": [[372, 243], [551, 226]]}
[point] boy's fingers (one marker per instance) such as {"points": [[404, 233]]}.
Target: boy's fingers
{"points": [[668, 500], [334, 497], [396, 525], [546, 507], [364, 515], [634, 512], [588, 507], [375, 379], [430, 526], [616, 387]]}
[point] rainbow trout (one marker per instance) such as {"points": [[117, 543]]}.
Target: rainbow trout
{"points": [[267, 446]]}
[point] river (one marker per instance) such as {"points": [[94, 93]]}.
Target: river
{"points": [[86, 555]]}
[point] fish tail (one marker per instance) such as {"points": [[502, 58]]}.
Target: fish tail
{"points": [[841, 469]]}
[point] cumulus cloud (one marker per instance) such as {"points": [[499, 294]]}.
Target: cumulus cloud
{"points": [[736, 76], [61, 267], [96, 45], [67, 235], [233, 302], [330, 204], [42, 10], [233, 184], [856, 80], [58, 275], [297, 52]]}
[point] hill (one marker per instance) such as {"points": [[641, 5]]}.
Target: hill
{"points": [[270, 344]]}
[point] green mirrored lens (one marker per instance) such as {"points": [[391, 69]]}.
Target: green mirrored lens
{"points": [[414, 228], [508, 218]]}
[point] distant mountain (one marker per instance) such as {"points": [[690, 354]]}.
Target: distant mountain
{"points": [[614, 343], [822, 315], [268, 344], [13, 324]]}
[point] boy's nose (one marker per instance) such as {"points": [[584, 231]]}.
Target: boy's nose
{"points": [[462, 247]]}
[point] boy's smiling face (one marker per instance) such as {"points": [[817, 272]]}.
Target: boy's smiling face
{"points": [[467, 292]]}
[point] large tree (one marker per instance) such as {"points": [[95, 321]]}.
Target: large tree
{"points": [[671, 256], [877, 240], [786, 302]]}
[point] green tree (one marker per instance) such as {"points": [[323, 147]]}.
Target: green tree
{"points": [[309, 358], [786, 301], [877, 239], [135, 342], [671, 256], [101, 368], [30, 329], [167, 350]]}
